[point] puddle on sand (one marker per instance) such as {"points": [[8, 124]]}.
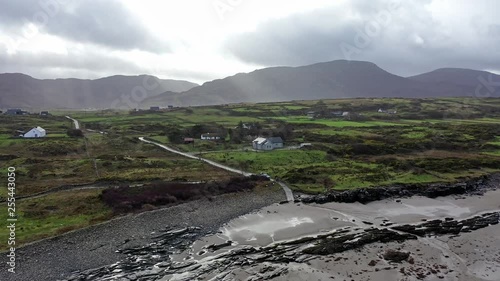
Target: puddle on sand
{"points": [[275, 223], [280, 223], [414, 209]]}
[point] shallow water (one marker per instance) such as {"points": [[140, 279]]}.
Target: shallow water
{"points": [[287, 222]]}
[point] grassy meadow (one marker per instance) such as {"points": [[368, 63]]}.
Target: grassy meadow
{"points": [[427, 140]]}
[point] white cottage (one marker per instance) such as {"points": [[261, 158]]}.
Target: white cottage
{"points": [[267, 143], [37, 132]]}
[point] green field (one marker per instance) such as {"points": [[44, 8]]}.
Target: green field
{"points": [[428, 140], [56, 214]]}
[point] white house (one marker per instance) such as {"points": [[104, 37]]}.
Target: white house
{"points": [[211, 136], [267, 143], [37, 132]]}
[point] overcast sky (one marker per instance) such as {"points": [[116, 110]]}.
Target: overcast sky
{"points": [[202, 40]]}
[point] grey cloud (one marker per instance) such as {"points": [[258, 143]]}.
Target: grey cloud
{"points": [[88, 64], [105, 23], [414, 41]]}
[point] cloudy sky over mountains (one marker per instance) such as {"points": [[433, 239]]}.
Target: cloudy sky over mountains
{"points": [[201, 40]]}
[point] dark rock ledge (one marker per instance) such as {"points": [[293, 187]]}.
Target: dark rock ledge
{"points": [[153, 262], [475, 186]]}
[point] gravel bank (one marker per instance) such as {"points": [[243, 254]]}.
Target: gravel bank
{"points": [[95, 246]]}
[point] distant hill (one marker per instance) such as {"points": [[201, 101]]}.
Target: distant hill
{"points": [[19, 90], [466, 81], [336, 79], [328, 80]]}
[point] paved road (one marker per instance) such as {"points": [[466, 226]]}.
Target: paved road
{"points": [[288, 191], [77, 125]]}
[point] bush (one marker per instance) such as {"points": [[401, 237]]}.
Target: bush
{"points": [[127, 198], [75, 133]]}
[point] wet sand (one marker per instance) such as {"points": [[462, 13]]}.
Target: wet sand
{"points": [[468, 256]]}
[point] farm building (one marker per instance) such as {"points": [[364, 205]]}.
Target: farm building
{"points": [[14, 111], [311, 114], [387, 111], [37, 132], [211, 136], [154, 108], [188, 140], [267, 143]]}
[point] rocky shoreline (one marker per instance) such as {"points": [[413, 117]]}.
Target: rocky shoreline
{"points": [[340, 243], [141, 247], [154, 262], [475, 186], [99, 245]]}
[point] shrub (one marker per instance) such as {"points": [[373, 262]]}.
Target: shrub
{"points": [[74, 133], [127, 198]]}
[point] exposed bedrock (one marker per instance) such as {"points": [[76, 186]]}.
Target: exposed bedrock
{"points": [[365, 195]]}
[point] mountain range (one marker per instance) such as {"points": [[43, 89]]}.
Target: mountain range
{"points": [[328, 80], [23, 91]]}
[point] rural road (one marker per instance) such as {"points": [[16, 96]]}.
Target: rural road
{"points": [[77, 125], [288, 191], [197, 158]]}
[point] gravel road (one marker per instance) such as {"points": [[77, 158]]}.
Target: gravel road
{"points": [[75, 122]]}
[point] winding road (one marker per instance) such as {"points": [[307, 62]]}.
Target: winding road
{"points": [[77, 124], [286, 189]]}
